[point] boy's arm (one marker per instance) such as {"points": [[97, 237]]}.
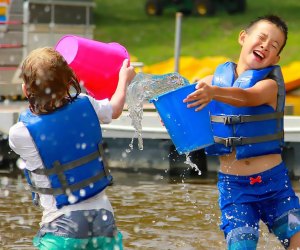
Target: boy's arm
{"points": [[117, 101], [263, 92]]}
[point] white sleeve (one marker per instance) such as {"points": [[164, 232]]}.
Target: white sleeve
{"points": [[102, 108], [21, 142]]}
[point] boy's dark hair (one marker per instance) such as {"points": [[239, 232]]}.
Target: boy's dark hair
{"points": [[274, 20]]}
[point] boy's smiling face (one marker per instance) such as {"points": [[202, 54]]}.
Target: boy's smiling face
{"points": [[261, 45]]}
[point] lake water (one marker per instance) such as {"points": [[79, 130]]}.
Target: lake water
{"points": [[153, 211]]}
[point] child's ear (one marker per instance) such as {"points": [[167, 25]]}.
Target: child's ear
{"points": [[242, 36]]}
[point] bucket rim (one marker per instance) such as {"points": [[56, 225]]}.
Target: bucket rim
{"points": [[155, 98], [63, 37], [127, 55]]}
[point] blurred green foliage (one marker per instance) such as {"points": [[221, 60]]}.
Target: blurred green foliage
{"points": [[151, 39]]}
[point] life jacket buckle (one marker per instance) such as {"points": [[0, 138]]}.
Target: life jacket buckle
{"points": [[228, 142], [233, 141], [232, 119]]}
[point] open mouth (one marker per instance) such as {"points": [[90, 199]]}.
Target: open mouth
{"points": [[260, 56]]}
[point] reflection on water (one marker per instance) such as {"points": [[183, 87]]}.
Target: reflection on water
{"points": [[151, 212]]}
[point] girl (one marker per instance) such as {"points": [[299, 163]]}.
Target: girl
{"points": [[59, 138]]}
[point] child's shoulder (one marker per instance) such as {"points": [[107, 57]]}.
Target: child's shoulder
{"points": [[18, 134], [17, 128]]}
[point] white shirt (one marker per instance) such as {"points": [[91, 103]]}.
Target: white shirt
{"points": [[22, 143]]}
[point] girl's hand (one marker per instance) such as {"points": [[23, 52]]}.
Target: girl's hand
{"points": [[126, 73]]}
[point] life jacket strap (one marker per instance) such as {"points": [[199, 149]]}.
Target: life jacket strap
{"points": [[71, 188], [57, 167], [239, 141], [59, 170], [235, 119], [104, 160]]}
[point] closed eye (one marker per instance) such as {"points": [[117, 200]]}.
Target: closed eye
{"points": [[275, 46], [262, 37]]}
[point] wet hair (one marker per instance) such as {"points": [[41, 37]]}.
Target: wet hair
{"points": [[48, 80], [276, 20]]}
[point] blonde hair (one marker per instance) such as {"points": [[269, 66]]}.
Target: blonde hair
{"points": [[48, 79]]}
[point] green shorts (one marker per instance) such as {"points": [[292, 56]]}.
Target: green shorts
{"points": [[88, 229], [53, 242]]}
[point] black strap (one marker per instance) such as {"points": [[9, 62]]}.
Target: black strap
{"points": [[105, 163], [57, 167], [59, 170], [238, 141], [70, 188], [234, 119]]}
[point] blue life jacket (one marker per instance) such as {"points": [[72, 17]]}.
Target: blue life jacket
{"points": [[69, 143], [251, 131]]}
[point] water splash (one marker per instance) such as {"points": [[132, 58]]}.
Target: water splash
{"points": [[143, 88], [193, 165]]}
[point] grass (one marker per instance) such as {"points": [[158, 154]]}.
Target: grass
{"points": [[151, 39]]}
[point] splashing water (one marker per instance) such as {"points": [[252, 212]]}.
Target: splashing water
{"points": [[143, 88], [193, 165]]}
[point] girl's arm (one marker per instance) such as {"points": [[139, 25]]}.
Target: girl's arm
{"points": [[117, 101]]}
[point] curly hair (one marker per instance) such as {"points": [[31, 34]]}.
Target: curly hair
{"points": [[48, 80]]}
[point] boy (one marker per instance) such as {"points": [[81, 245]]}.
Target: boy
{"points": [[59, 138], [247, 103]]}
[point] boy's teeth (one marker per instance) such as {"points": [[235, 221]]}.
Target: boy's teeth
{"points": [[259, 54]]}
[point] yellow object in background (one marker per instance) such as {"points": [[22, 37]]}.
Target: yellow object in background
{"points": [[189, 67], [194, 69], [2, 11], [291, 74], [293, 99]]}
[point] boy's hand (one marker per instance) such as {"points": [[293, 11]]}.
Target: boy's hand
{"points": [[200, 97]]}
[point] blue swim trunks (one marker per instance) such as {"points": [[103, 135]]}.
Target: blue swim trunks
{"points": [[267, 196]]}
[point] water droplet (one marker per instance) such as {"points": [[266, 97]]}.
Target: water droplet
{"points": [[82, 192], [104, 217], [72, 199]]}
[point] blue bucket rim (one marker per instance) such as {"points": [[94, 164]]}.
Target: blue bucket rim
{"points": [[153, 99]]}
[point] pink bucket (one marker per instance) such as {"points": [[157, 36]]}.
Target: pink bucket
{"points": [[96, 64]]}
